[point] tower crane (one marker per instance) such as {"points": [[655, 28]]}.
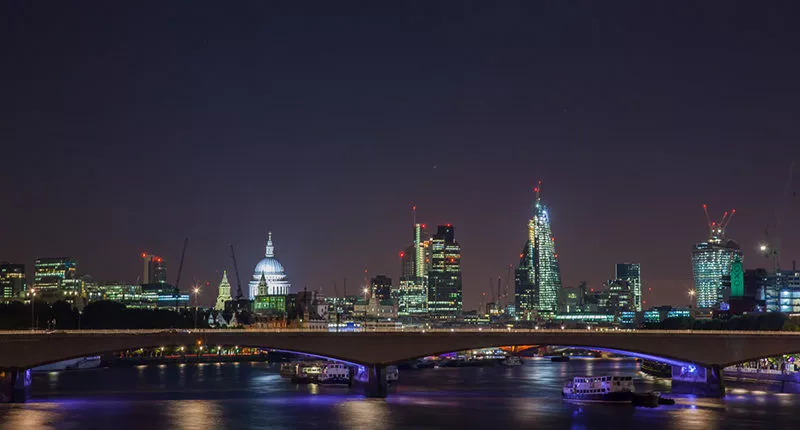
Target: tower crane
{"points": [[717, 228], [771, 247]]}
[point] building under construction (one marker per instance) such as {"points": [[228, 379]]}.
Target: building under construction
{"points": [[712, 261]]}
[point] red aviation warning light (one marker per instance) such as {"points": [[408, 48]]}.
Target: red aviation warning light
{"points": [[402, 254]]}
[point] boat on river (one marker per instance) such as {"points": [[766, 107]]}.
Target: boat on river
{"points": [[599, 389], [511, 361]]}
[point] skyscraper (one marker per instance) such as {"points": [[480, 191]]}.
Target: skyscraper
{"points": [[155, 269], [632, 274], [538, 278], [12, 280], [413, 291], [444, 278], [381, 288], [712, 262]]}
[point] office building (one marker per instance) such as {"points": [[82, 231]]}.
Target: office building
{"points": [[632, 274], [412, 294], [711, 263], [13, 284], [381, 287], [538, 277], [57, 277], [444, 278]]}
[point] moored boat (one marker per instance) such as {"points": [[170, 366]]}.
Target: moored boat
{"points": [[512, 361], [599, 389]]}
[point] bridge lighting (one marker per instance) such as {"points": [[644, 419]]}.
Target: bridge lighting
{"points": [[451, 330], [536, 327], [562, 327], [182, 348], [480, 329]]}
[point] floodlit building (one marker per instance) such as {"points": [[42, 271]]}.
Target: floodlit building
{"points": [[632, 274], [711, 263], [445, 299], [13, 284], [57, 277], [272, 272], [223, 293], [538, 277], [412, 294]]}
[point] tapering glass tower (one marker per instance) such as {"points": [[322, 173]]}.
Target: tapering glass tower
{"points": [[712, 262], [538, 279]]}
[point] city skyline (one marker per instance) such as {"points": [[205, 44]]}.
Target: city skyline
{"points": [[328, 126]]}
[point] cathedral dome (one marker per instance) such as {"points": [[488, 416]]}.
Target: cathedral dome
{"points": [[269, 266], [269, 277]]}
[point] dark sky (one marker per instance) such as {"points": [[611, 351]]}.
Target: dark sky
{"points": [[126, 126]]}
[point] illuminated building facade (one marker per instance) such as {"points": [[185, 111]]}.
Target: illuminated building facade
{"points": [[224, 292], [620, 296], [155, 269], [538, 278], [413, 290], [711, 263], [276, 282], [13, 284], [55, 278], [381, 287], [632, 274], [444, 278]]}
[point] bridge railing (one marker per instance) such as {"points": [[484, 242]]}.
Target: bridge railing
{"points": [[399, 330]]}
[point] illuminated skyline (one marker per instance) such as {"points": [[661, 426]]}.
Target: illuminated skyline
{"points": [[326, 123]]}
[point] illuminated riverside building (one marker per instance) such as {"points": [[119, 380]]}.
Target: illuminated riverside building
{"points": [[537, 277], [620, 296], [13, 284], [271, 270], [444, 277], [632, 274], [55, 278], [224, 292], [412, 294], [712, 262]]}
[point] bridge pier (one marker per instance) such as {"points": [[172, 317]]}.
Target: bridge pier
{"points": [[701, 381], [377, 386], [15, 385]]}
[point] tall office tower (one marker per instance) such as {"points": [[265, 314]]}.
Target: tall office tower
{"points": [[712, 262], [12, 281], [444, 279], [224, 292], [538, 278], [155, 269], [381, 288], [56, 277], [413, 290], [632, 274]]}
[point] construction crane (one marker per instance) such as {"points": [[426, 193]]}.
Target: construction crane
{"points": [[180, 270], [239, 295], [771, 247], [717, 228]]}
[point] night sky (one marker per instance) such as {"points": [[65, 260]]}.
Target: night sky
{"points": [[127, 126]]}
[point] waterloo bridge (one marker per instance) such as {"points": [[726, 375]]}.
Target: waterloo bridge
{"points": [[697, 357]]}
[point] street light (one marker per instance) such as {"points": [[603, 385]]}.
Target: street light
{"points": [[366, 290], [33, 318], [196, 293], [692, 293]]}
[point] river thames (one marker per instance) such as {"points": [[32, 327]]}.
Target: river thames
{"points": [[252, 395]]}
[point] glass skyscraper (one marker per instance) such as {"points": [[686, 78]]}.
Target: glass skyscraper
{"points": [[444, 277], [632, 274], [412, 295], [711, 264], [538, 270]]}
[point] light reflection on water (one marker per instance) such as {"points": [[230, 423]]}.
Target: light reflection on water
{"points": [[252, 395]]}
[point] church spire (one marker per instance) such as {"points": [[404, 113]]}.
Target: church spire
{"points": [[270, 247]]}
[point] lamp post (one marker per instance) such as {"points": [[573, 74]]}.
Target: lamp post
{"points": [[33, 311], [692, 293], [196, 293], [366, 290]]}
